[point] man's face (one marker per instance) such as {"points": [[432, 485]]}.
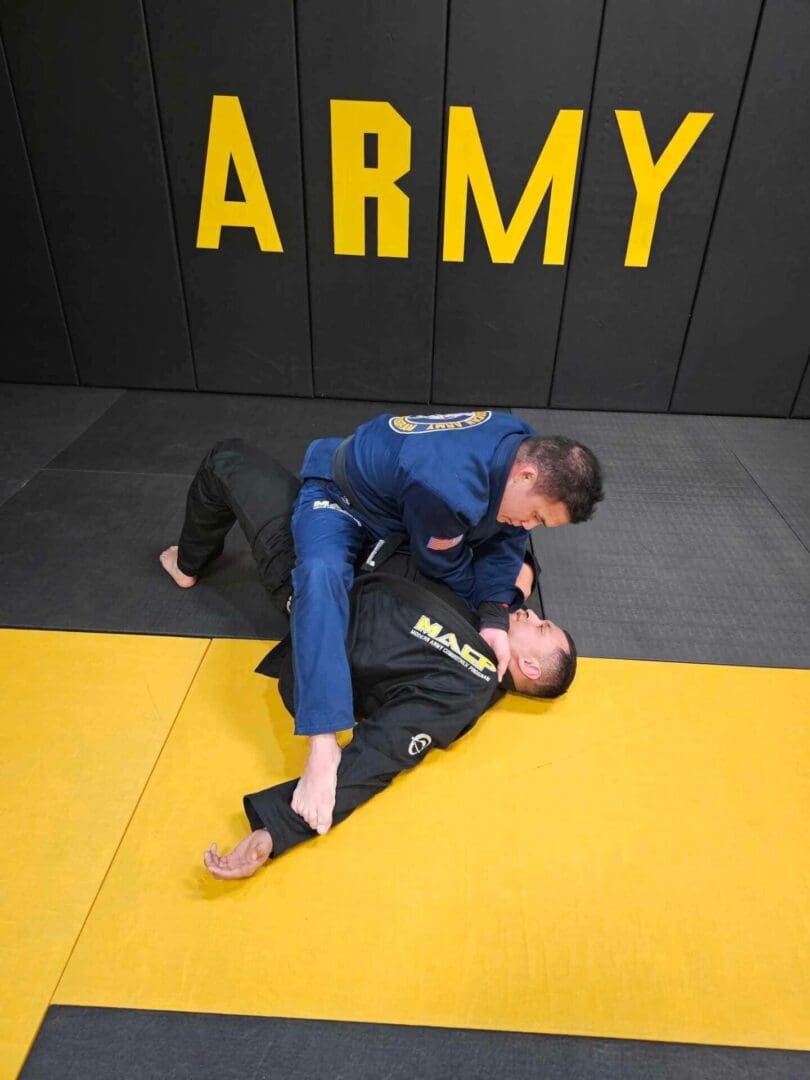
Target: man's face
{"points": [[529, 635], [524, 506]]}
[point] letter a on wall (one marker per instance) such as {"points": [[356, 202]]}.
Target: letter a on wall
{"points": [[229, 141], [353, 181], [556, 168]]}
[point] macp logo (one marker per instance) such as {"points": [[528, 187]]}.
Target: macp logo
{"points": [[466, 173], [431, 631]]}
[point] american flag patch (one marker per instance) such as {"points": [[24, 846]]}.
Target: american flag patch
{"points": [[440, 543]]}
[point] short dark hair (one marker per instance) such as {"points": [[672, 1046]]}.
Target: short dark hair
{"points": [[567, 472], [560, 669]]}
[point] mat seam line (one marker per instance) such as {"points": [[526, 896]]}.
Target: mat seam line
{"points": [[118, 472], [759, 486], [106, 874], [82, 433], [176, 634]]}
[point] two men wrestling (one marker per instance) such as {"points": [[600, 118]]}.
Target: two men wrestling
{"points": [[434, 510]]}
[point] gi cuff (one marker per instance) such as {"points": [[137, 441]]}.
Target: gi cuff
{"points": [[493, 615]]}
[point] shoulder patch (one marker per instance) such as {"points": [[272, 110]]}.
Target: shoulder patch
{"points": [[441, 543], [430, 424]]}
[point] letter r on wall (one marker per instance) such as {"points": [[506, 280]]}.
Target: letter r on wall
{"points": [[353, 182]]}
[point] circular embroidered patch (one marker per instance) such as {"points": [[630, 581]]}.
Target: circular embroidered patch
{"points": [[429, 424]]}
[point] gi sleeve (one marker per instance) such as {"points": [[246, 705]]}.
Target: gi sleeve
{"points": [[396, 737], [496, 565], [438, 540]]}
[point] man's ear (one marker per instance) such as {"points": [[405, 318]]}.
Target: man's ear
{"points": [[529, 667], [528, 473]]}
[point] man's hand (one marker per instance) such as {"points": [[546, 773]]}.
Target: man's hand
{"points": [[314, 797], [498, 641], [244, 860]]}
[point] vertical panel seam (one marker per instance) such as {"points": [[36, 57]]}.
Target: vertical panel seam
{"points": [[299, 105], [40, 214], [442, 174], [720, 186], [799, 387], [170, 194], [575, 214]]}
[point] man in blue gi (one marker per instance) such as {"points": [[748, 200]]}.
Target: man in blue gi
{"points": [[461, 490]]}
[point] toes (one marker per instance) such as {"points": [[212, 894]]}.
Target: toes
{"points": [[324, 818]]}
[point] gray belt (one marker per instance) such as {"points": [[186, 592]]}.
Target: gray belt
{"points": [[384, 548]]}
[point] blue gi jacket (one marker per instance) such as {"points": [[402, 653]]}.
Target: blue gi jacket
{"points": [[440, 479]]}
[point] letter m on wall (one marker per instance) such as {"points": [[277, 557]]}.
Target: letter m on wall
{"points": [[554, 171]]}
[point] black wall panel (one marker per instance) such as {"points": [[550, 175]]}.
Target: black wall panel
{"points": [[248, 309], [516, 63], [84, 89], [623, 327], [372, 316], [104, 115], [35, 346], [802, 406], [750, 333]]}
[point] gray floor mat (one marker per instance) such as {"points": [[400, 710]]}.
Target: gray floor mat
{"points": [[90, 527], [36, 422], [686, 559], [78, 1043], [78, 551], [776, 453], [162, 432]]}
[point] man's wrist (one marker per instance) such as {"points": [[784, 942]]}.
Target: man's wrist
{"points": [[494, 615]]}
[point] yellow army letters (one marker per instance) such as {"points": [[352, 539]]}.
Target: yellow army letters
{"points": [[466, 172]]}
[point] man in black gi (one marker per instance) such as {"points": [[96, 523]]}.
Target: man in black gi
{"points": [[421, 674]]}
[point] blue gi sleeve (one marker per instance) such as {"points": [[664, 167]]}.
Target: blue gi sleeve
{"points": [[395, 737], [438, 540], [496, 565]]}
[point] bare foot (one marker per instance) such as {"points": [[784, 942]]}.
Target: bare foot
{"points": [[314, 797], [244, 860], [168, 560]]}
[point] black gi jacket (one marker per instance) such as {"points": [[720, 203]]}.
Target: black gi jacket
{"points": [[421, 676]]}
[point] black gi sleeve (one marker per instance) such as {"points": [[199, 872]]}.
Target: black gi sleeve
{"points": [[396, 737], [491, 614]]}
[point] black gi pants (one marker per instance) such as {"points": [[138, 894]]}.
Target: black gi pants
{"points": [[237, 482]]}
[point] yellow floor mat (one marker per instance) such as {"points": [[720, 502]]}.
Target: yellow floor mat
{"points": [[83, 719], [632, 861]]}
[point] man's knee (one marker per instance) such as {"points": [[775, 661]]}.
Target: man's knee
{"points": [[323, 569], [224, 454]]}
